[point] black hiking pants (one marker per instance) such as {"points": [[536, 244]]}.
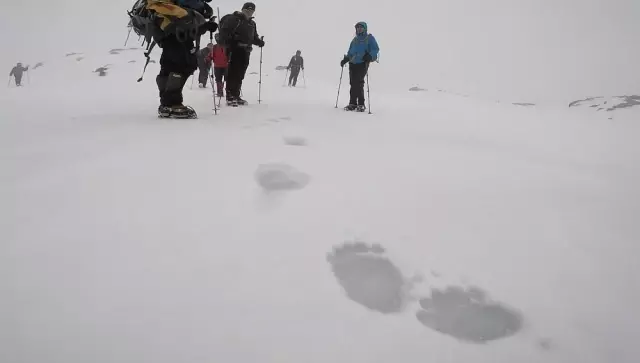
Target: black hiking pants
{"points": [[293, 78], [18, 79], [219, 73], [357, 72], [177, 62], [238, 64]]}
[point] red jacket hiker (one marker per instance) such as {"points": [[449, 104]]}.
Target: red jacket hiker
{"points": [[220, 63], [219, 57]]}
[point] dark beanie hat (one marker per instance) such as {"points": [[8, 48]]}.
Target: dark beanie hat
{"points": [[249, 6]]}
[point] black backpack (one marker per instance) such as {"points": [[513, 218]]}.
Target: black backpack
{"points": [[155, 19]]}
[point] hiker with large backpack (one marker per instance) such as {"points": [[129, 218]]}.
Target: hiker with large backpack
{"points": [[362, 51], [295, 65], [17, 71], [174, 25], [218, 56], [238, 34], [204, 65]]}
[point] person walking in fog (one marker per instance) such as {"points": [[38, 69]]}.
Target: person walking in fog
{"points": [[218, 56], [17, 72], [204, 65], [362, 51], [179, 58], [295, 65], [238, 34]]}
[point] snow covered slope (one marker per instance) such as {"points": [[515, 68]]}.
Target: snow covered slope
{"points": [[439, 228]]}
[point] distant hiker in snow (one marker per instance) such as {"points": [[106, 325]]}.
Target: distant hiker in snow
{"points": [[362, 51], [218, 56], [17, 71], [295, 65], [204, 65], [238, 34]]}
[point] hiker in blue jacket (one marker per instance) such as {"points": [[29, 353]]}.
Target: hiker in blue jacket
{"points": [[362, 51]]}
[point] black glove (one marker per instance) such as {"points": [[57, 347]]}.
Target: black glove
{"points": [[259, 43], [207, 11], [344, 61], [367, 57], [210, 26]]}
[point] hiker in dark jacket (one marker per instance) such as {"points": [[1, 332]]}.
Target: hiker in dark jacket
{"points": [[179, 60], [295, 64], [204, 65], [238, 34], [17, 71]]}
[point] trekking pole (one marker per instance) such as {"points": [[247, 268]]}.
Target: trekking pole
{"points": [[211, 71], [260, 81], [128, 34], [339, 84], [9, 82], [213, 89], [286, 73], [304, 79], [368, 93]]}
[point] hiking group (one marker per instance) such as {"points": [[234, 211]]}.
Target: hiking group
{"points": [[176, 26]]}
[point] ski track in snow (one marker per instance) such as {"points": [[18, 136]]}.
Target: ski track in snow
{"points": [[128, 238]]}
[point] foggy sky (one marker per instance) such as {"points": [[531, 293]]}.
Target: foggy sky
{"points": [[517, 50]]}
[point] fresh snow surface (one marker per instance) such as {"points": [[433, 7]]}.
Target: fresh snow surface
{"points": [[437, 229]]}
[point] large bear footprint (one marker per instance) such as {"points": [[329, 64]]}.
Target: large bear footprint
{"points": [[368, 277], [468, 315]]}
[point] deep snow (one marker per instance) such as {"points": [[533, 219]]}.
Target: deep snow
{"points": [[126, 238]]}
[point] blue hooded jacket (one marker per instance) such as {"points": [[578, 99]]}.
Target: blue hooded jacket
{"points": [[362, 43]]}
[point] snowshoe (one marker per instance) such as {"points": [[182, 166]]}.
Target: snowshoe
{"points": [[350, 107], [232, 102], [164, 111], [241, 102], [361, 108], [201, 85], [177, 112]]}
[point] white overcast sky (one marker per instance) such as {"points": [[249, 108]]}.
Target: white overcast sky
{"points": [[527, 50]]}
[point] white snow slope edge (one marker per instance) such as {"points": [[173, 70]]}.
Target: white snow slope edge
{"points": [[437, 229]]}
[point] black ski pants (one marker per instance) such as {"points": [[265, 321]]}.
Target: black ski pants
{"points": [[293, 78], [357, 72], [177, 62], [18, 79], [219, 73], [238, 64]]}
